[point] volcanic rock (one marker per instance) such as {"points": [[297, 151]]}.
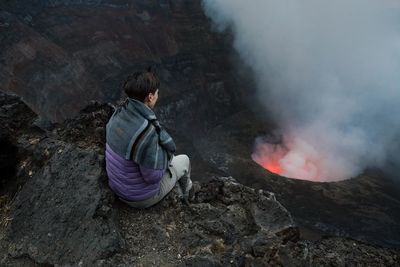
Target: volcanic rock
{"points": [[60, 215], [64, 213]]}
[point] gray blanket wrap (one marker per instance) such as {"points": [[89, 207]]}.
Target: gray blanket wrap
{"points": [[134, 133]]}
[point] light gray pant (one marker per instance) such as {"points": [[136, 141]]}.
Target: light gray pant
{"points": [[178, 168]]}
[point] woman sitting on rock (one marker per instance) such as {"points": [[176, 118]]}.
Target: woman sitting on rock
{"points": [[140, 160]]}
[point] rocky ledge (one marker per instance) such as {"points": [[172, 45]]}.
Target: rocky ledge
{"points": [[56, 210]]}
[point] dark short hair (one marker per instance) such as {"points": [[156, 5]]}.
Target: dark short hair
{"points": [[140, 84]]}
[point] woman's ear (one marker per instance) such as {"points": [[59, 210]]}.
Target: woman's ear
{"points": [[150, 97]]}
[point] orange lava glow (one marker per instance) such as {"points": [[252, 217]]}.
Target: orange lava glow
{"points": [[294, 159], [273, 167]]}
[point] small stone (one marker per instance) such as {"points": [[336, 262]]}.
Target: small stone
{"points": [[218, 246], [34, 141], [179, 256]]}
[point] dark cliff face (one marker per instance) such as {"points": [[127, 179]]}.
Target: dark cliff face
{"points": [[58, 55]]}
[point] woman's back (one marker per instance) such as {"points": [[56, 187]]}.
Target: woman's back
{"points": [[126, 178]]}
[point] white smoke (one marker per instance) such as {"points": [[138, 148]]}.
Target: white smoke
{"points": [[329, 71]]}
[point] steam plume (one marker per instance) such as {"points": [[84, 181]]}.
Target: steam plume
{"points": [[329, 71]]}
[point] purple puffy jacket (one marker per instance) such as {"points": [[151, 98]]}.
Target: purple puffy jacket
{"points": [[129, 180]]}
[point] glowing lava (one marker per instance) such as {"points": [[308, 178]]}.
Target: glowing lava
{"points": [[274, 167], [293, 158]]}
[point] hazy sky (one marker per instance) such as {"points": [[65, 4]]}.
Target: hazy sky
{"points": [[329, 71]]}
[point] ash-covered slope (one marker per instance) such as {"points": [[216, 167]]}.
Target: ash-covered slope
{"points": [[56, 209], [59, 55]]}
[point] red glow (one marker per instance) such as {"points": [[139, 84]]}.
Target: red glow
{"points": [[273, 167], [293, 158]]}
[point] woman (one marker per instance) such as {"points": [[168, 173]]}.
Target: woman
{"points": [[140, 160]]}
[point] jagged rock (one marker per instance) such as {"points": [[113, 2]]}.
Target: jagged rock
{"points": [[215, 231], [63, 213], [15, 118]]}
